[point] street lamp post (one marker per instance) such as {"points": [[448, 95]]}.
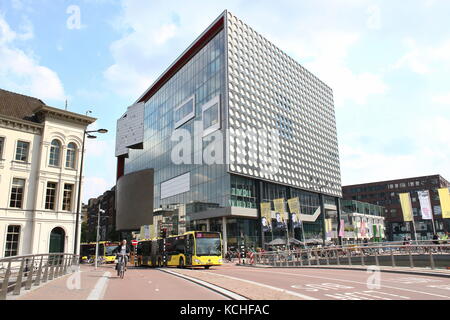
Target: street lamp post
{"points": [[77, 220]]}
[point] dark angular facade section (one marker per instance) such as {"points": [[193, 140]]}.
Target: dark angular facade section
{"points": [[134, 200]]}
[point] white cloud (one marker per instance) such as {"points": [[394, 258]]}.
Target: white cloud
{"points": [[328, 52], [99, 152], [423, 59], [427, 156], [20, 71], [141, 55], [441, 99], [94, 187]]}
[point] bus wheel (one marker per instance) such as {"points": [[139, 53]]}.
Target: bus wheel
{"points": [[181, 264], [207, 267]]}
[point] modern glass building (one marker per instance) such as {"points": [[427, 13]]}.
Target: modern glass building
{"points": [[234, 122]]}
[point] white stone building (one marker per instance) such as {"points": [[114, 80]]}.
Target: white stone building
{"points": [[40, 158]]}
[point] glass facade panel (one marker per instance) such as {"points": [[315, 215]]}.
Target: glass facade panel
{"points": [[203, 78]]}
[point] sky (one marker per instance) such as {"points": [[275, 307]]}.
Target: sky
{"points": [[388, 63]]}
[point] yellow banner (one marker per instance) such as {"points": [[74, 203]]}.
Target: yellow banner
{"points": [[265, 210], [279, 207], [444, 196], [294, 205], [405, 201], [328, 225]]}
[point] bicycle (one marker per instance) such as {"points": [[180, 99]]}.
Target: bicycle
{"points": [[121, 265]]}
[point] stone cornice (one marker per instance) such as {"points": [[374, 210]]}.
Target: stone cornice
{"points": [[21, 125], [55, 113]]}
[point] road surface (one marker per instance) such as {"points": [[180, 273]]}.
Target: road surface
{"points": [[231, 282]]}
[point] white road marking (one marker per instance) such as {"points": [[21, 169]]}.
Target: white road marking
{"points": [[441, 286], [352, 281], [411, 280], [100, 287], [366, 295], [315, 287], [299, 295], [223, 291]]}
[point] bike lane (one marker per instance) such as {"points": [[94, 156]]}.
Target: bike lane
{"points": [[152, 284]]}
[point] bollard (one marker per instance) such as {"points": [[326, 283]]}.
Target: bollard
{"points": [[328, 259], [377, 263], [392, 258], [411, 263], [362, 257], [432, 265], [349, 258], [337, 258]]}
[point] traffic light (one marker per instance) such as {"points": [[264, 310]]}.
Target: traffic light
{"points": [[163, 232]]}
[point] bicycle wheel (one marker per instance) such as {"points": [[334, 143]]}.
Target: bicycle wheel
{"points": [[122, 271]]}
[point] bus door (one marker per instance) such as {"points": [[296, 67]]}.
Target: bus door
{"points": [[189, 249]]}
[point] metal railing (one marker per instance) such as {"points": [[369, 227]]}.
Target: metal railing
{"points": [[31, 270], [412, 255]]}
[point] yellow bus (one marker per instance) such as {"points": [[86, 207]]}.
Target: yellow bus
{"points": [[105, 251], [191, 249]]}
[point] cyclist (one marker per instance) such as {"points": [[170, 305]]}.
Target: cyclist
{"points": [[122, 250]]}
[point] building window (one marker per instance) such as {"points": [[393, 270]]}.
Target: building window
{"points": [[50, 196], [12, 241], [22, 151], [17, 191], [2, 143], [184, 112], [55, 150], [211, 116], [71, 153], [67, 197]]}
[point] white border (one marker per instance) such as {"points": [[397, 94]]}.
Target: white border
{"points": [[188, 116], [206, 106]]}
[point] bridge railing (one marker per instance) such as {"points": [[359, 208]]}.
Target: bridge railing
{"points": [[20, 272], [411, 255]]}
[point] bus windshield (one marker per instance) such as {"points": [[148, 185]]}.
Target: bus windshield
{"points": [[208, 246], [109, 250]]}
